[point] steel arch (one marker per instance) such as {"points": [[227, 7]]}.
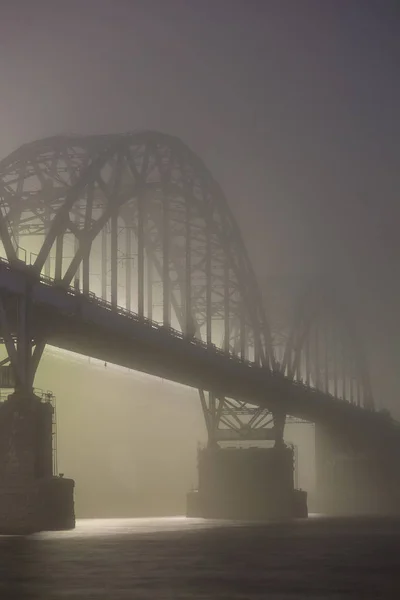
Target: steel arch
{"points": [[138, 220], [324, 350]]}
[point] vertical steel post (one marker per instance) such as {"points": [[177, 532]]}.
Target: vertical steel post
{"points": [[189, 324], [226, 306], [335, 362], [242, 330], [213, 415], [114, 260], [6, 237], [296, 466], [208, 280], [257, 348], [24, 340], [104, 262], [326, 342], [85, 268], [76, 250], [166, 274], [46, 231], [149, 286], [362, 396], [344, 375], [307, 360], [86, 234], [140, 208], [351, 382], [59, 257], [128, 268], [317, 361]]}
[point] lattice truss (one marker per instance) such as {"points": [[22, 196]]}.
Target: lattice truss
{"points": [[281, 297], [324, 351], [138, 221]]}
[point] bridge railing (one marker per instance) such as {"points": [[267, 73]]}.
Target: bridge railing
{"points": [[91, 297], [45, 396]]}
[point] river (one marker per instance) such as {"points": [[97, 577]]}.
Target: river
{"points": [[177, 558]]}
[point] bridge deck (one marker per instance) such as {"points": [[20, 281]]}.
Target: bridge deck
{"points": [[90, 326]]}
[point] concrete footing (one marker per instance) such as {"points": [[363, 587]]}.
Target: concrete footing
{"points": [[44, 505], [246, 484]]}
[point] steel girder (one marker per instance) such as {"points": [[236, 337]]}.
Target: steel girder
{"points": [[229, 420], [24, 344]]}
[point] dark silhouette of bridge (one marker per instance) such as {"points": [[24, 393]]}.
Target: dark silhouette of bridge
{"points": [[123, 248]]}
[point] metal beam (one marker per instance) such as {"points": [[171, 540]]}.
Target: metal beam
{"points": [[59, 257], [149, 262], [140, 236], [60, 220], [227, 307], [208, 309], [104, 262], [128, 268], [317, 357], [242, 332], [166, 259], [5, 237], [86, 232], [189, 324], [114, 260]]}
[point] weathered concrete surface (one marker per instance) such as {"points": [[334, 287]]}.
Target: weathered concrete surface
{"points": [[30, 498], [250, 484]]}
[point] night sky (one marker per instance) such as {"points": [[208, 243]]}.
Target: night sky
{"points": [[293, 105]]}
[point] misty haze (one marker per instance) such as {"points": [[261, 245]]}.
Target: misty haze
{"points": [[199, 299]]}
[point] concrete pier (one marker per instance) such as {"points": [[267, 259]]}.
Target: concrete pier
{"points": [[246, 484], [31, 498]]}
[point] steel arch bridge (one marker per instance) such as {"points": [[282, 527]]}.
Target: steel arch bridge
{"points": [[137, 221]]}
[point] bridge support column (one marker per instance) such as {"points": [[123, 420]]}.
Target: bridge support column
{"points": [[31, 499], [245, 482], [356, 472]]}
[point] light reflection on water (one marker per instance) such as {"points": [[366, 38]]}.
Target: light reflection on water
{"points": [[177, 558], [90, 528]]}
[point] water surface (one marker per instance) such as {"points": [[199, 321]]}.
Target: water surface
{"points": [[176, 558]]}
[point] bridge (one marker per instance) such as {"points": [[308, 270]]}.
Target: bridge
{"points": [[123, 248]]}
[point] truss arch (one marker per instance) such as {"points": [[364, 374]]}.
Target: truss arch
{"points": [[138, 220]]}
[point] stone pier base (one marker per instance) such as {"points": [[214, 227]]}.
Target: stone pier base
{"points": [[31, 499], [18, 510], [246, 484]]}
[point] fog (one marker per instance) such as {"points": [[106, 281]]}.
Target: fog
{"points": [[130, 440], [295, 112]]}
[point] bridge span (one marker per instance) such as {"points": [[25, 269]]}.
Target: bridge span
{"points": [[123, 248], [93, 327]]}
